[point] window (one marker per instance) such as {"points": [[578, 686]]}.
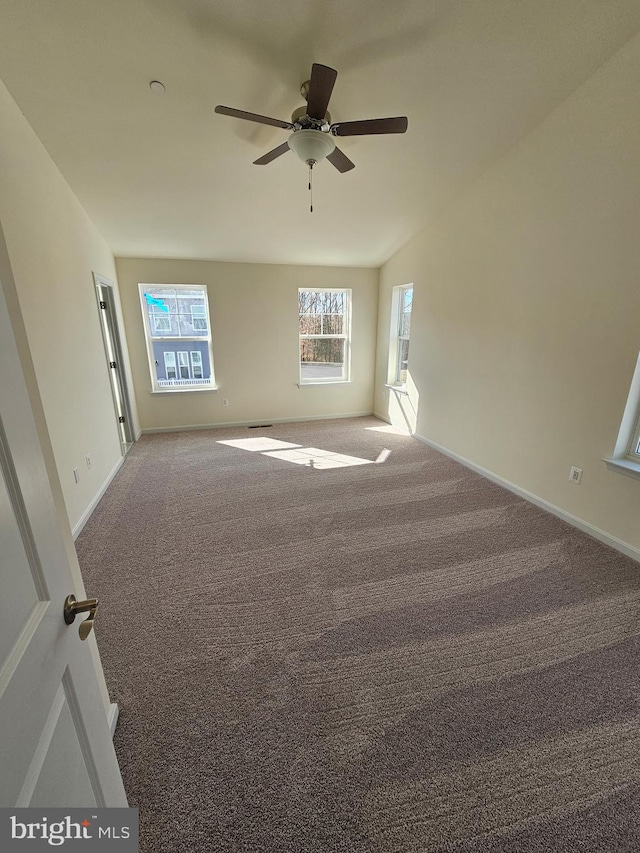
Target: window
{"points": [[196, 364], [170, 365], [634, 450], [626, 454], [324, 326], [199, 317], [402, 303], [177, 329], [183, 364], [628, 445], [161, 323]]}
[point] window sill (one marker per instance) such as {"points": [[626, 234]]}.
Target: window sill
{"points": [[317, 383], [185, 390], [399, 389], [623, 466]]}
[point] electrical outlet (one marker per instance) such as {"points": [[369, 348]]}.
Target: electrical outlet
{"points": [[225, 402], [575, 475], [88, 457], [76, 475]]}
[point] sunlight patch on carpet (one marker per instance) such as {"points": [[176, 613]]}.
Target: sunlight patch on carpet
{"points": [[393, 430], [313, 457], [258, 444]]}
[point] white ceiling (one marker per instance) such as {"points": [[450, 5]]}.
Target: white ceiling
{"points": [[164, 176]]}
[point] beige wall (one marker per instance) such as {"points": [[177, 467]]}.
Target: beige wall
{"points": [[526, 323], [255, 345], [54, 248]]}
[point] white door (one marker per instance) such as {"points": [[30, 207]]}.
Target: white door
{"points": [[55, 744]]}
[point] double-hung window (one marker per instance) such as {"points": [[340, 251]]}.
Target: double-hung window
{"points": [[178, 334], [404, 332], [324, 330], [626, 453], [634, 450], [402, 303]]}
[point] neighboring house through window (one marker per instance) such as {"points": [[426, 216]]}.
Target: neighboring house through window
{"points": [[324, 329], [178, 335]]}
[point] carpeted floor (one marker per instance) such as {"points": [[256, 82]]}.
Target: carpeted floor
{"points": [[398, 657]]}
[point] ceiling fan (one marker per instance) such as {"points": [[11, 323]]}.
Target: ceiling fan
{"points": [[312, 131]]}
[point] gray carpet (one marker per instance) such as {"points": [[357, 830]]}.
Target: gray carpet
{"points": [[398, 657]]}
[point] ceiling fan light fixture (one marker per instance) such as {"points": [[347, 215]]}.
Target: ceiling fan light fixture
{"points": [[311, 146]]}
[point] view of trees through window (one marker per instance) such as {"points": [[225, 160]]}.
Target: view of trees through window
{"points": [[323, 334], [404, 332]]}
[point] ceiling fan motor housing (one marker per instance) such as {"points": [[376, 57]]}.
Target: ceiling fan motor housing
{"points": [[311, 146], [300, 117]]}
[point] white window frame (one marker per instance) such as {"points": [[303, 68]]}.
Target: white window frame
{"points": [[396, 337], [195, 317], [626, 458], [345, 335], [178, 385]]}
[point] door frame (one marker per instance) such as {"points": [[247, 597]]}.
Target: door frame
{"points": [[111, 339]]}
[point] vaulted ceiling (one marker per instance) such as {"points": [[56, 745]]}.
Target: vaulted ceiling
{"points": [[164, 176]]}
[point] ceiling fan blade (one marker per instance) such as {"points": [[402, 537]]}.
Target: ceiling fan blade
{"points": [[274, 122], [271, 155], [321, 85], [370, 125], [340, 160]]}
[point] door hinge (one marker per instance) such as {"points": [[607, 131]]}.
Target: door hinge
{"points": [[103, 305], [112, 364], [121, 419]]}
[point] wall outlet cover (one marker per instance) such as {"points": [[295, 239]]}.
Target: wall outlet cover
{"points": [[575, 474]]}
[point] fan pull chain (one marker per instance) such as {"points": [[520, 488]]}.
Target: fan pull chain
{"points": [[311, 185]]}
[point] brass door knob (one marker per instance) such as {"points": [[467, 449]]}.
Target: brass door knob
{"points": [[72, 607]]}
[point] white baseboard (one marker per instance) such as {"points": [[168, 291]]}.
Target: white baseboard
{"points": [[77, 529], [292, 420], [112, 717], [613, 542]]}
